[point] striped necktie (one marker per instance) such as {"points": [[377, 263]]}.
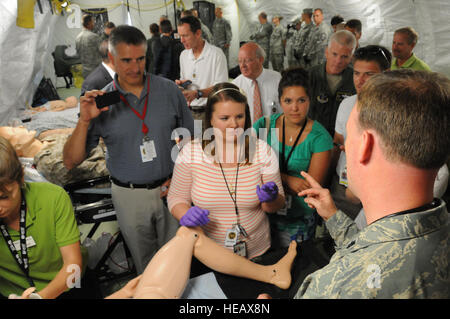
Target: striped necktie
{"points": [[257, 109]]}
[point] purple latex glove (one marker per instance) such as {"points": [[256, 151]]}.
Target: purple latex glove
{"points": [[195, 216], [268, 192]]}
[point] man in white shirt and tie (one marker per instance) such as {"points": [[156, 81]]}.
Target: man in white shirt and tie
{"points": [[260, 85]]}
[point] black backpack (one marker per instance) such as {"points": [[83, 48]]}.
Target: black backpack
{"points": [[45, 92]]}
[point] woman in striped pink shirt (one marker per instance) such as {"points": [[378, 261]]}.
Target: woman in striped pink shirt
{"points": [[224, 185], [231, 177]]}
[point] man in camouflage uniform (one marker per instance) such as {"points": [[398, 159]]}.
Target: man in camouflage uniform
{"points": [[314, 53], [396, 142], [277, 44], [332, 81], [87, 44], [303, 36], [222, 34], [291, 35], [262, 36]]}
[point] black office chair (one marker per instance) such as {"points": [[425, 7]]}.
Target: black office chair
{"points": [[62, 64]]}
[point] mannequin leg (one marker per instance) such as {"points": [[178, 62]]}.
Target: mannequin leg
{"points": [[225, 261], [167, 273]]}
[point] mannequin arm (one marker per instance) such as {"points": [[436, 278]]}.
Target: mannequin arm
{"points": [[67, 130]]}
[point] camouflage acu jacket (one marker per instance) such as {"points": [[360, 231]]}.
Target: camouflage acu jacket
{"points": [[316, 43], [221, 31], [403, 256], [87, 44]]}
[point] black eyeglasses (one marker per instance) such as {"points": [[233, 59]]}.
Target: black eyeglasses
{"points": [[374, 50]]}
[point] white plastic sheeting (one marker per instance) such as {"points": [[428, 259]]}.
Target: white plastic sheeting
{"points": [[22, 58], [380, 18], [25, 54]]}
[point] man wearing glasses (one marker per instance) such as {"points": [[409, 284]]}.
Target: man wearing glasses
{"points": [[256, 78]]}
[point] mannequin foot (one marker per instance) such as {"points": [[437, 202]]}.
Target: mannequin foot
{"points": [[282, 269]]}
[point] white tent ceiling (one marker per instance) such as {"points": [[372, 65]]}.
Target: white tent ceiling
{"points": [[25, 54]]}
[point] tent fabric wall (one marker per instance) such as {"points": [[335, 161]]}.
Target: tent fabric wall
{"points": [[379, 19], [25, 54], [22, 58]]}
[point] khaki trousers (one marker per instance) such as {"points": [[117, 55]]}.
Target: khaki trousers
{"points": [[144, 220]]}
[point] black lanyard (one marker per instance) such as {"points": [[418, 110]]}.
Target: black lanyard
{"points": [[284, 161], [22, 262], [235, 189], [234, 199]]}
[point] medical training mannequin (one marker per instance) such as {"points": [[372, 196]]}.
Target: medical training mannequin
{"points": [[55, 105], [60, 105], [167, 273], [46, 155], [23, 141]]}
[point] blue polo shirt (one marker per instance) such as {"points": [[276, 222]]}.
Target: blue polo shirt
{"points": [[121, 129]]}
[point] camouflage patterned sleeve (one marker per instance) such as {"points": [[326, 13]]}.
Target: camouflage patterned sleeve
{"points": [[228, 32], [207, 35], [342, 228]]}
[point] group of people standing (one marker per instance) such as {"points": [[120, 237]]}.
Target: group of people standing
{"points": [[253, 178], [302, 43]]}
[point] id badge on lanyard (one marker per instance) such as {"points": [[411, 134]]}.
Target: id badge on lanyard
{"points": [[148, 150], [343, 177], [232, 240]]}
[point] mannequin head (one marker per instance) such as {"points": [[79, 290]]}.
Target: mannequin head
{"points": [[23, 141]]}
